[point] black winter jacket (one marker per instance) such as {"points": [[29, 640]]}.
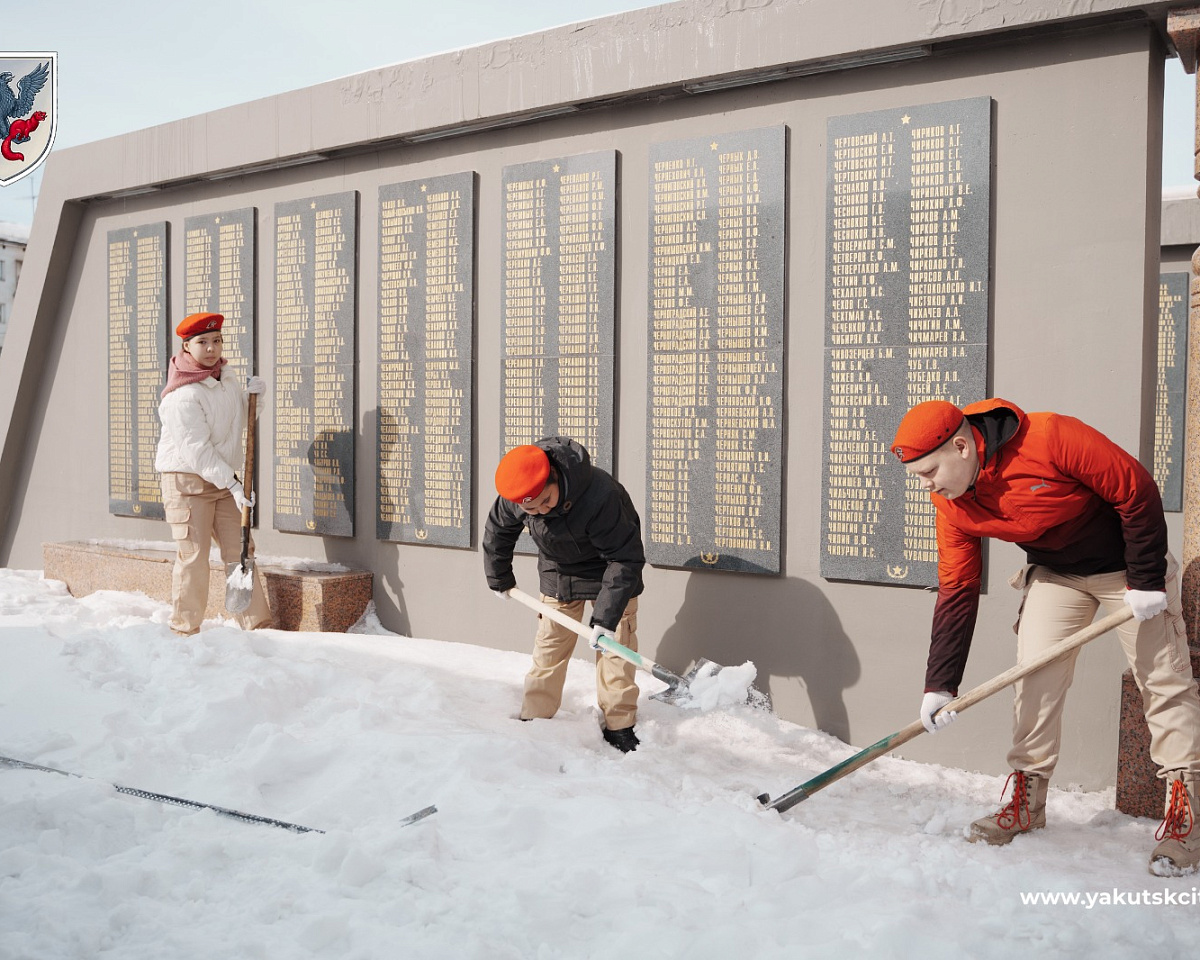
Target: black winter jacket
{"points": [[589, 545]]}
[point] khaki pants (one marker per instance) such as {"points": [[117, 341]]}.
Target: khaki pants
{"points": [[1057, 605], [616, 689], [200, 513]]}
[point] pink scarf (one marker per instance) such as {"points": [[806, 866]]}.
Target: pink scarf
{"points": [[184, 370]]}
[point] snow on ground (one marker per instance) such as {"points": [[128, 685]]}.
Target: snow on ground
{"points": [[547, 843]]}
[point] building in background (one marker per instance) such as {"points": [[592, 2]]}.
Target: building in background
{"points": [[13, 239]]}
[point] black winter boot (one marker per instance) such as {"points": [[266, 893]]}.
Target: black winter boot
{"points": [[624, 740]]}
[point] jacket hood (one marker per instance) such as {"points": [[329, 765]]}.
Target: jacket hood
{"points": [[997, 421], [574, 465]]}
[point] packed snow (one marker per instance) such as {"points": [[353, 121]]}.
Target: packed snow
{"points": [[715, 686], [241, 579], [547, 843]]}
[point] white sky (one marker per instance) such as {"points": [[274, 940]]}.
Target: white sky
{"points": [[139, 63], [144, 62]]}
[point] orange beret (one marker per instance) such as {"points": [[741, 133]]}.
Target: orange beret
{"points": [[522, 473], [197, 323], [925, 428]]}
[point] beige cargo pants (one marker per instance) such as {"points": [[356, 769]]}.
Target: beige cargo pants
{"points": [[616, 688], [200, 513], [1055, 606]]}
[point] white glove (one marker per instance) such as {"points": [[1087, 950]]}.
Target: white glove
{"points": [[256, 385], [502, 594], [1146, 603], [598, 632], [239, 495], [931, 703]]}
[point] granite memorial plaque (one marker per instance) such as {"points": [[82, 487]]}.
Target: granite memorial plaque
{"points": [[219, 277], [558, 302], [906, 266], [314, 384], [714, 458], [1170, 395], [139, 348], [426, 361]]}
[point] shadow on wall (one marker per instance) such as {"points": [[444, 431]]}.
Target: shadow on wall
{"points": [[786, 626], [331, 459], [378, 428]]}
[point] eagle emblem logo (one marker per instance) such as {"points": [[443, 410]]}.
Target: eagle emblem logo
{"points": [[28, 112]]}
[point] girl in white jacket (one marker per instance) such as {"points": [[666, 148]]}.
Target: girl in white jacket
{"points": [[203, 420]]}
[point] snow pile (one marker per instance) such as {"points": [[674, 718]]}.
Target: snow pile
{"points": [[716, 686], [300, 564], [369, 623], [241, 578], [547, 843]]}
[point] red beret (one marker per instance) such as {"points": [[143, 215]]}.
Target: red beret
{"points": [[197, 323], [925, 428], [522, 473]]}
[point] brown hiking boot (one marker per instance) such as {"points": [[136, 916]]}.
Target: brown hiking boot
{"points": [[1025, 810], [1178, 851]]}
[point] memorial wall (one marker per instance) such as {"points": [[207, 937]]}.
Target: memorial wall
{"points": [[729, 297], [907, 254]]}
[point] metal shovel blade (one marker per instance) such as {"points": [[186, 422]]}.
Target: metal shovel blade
{"points": [[679, 689], [239, 585]]}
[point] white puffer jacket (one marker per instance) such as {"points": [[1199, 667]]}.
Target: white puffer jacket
{"points": [[202, 429]]}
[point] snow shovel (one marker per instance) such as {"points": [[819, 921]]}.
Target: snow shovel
{"points": [[239, 575], [677, 692], [196, 804], [969, 699]]}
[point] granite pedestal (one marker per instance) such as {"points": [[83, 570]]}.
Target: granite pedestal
{"points": [[1140, 792], [305, 600]]}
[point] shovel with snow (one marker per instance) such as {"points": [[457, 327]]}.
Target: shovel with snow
{"points": [[678, 692], [239, 575], [1076, 640]]}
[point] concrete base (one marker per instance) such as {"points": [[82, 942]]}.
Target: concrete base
{"points": [[1140, 792], [304, 600]]}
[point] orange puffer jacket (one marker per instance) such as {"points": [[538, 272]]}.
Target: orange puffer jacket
{"points": [[1067, 495]]}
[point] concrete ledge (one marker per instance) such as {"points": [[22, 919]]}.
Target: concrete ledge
{"points": [[306, 600]]}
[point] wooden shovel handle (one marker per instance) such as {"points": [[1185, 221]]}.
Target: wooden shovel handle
{"points": [[611, 645], [248, 471], [964, 701]]}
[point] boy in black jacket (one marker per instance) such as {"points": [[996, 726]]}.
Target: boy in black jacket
{"points": [[589, 542]]}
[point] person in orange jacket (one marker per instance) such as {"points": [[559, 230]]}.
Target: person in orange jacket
{"points": [[1090, 519]]}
